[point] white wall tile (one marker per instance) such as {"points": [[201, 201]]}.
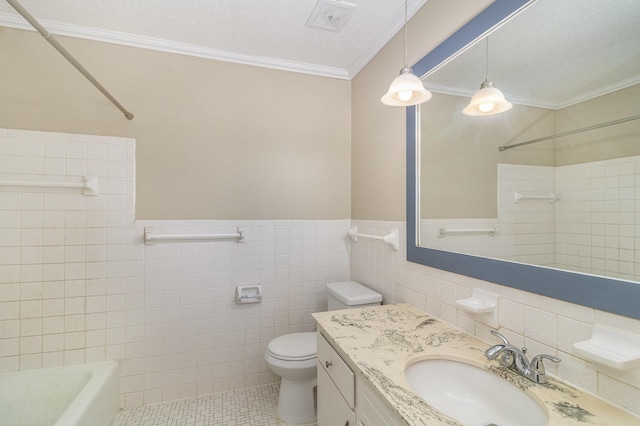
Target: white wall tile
{"points": [[10, 146], [55, 148], [10, 238]]}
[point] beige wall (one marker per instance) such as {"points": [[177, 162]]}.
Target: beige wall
{"points": [[378, 131], [215, 140], [608, 142], [460, 157]]}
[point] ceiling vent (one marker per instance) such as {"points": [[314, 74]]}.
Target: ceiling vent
{"points": [[330, 15]]}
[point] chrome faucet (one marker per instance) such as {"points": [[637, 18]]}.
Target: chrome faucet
{"points": [[516, 359]]}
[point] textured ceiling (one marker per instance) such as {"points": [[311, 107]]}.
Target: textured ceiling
{"points": [[269, 33], [553, 54], [599, 49]]}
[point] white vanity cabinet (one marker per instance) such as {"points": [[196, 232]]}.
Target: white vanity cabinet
{"points": [[345, 401], [371, 409], [336, 388]]}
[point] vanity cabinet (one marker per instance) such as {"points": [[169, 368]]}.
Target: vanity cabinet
{"points": [[371, 409], [336, 388], [345, 401]]}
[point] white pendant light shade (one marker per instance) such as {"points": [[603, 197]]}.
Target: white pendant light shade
{"points": [[487, 101], [405, 90]]}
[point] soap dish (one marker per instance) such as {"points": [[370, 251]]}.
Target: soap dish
{"points": [[482, 305], [475, 306], [611, 348], [480, 302]]}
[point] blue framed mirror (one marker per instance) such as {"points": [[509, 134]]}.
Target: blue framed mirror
{"points": [[615, 295]]}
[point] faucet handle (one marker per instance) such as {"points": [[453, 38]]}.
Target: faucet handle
{"points": [[500, 336], [506, 358], [538, 366]]}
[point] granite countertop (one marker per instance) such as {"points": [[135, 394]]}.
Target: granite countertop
{"points": [[379, 342]]}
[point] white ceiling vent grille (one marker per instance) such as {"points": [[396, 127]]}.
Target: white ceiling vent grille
{"points": [[330, 15]]}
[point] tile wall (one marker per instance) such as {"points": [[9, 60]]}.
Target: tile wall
{"points": [[78, 285], [598, 223], [542, 324], [528, 224]]}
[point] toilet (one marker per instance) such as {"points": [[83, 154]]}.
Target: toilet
{"points": [[293, 356]]}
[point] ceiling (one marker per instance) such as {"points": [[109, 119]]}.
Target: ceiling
{"points": [[553, 54], [269, 33]]}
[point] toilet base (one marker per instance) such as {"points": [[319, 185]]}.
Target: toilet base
{"points": [[296, 402], [283, 423]]}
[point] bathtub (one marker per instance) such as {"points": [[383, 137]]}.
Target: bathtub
{"points": [[78, 395]]}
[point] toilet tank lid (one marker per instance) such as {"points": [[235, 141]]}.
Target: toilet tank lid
{"points": [[352, 293]]}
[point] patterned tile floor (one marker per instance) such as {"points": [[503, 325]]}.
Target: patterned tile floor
{"points": [[244, 407]]}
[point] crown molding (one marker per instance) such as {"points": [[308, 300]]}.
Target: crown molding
{"points": [[124, 39], [601, 91], [540, 103], [394, 25]]}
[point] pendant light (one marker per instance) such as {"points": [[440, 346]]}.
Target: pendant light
{"points": [[488, 100], [406, 89]]}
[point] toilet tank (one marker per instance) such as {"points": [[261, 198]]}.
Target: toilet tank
{"points": [[350, 294]]}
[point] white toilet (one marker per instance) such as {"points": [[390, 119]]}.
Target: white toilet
{"points": [[293, 356]]}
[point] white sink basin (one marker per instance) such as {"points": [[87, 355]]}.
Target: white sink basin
{"points": [[473, 396]]}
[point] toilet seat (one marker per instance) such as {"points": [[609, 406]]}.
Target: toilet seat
{"points": [[294, 347]]}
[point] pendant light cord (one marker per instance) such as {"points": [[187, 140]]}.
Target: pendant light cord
{"points": [[486, 69], [406, 18]]}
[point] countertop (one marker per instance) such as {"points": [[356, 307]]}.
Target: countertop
{"points": [[379, 342]]}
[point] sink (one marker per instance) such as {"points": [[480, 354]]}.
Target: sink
{"points": [[472, 395]]}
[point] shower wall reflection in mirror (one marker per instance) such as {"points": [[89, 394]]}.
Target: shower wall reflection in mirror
{"points": [[555, 181]]}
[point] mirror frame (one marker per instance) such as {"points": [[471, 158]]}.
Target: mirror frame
{"points": [[606, 294]]}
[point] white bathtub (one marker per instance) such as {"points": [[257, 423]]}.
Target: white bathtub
{"points": [[79, 395]]}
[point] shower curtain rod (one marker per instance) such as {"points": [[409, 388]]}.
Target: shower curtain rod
{"points": [[53, 42], [571, 132]]}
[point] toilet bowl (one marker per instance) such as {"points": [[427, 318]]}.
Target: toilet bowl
{"points": [[293, 356]]}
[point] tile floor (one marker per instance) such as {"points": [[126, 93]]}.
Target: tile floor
{"points": [[244, 407]]}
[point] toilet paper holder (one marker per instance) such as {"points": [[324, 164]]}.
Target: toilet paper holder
{"points": [[249, 293]]}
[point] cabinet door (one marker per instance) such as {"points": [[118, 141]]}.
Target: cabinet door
{"points": [[333, 410], [338, 370], [372, 410]]}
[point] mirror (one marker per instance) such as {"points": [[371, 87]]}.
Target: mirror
{"points": [[483, 210]]}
